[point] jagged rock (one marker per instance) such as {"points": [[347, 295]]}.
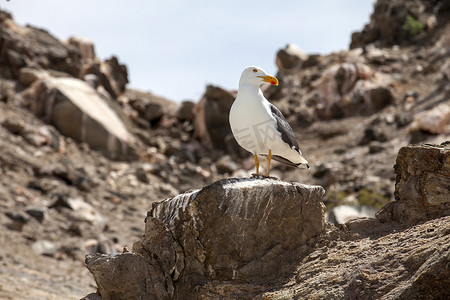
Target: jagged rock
{"points": [[77, 111], [85, 47], [387, 22], [289, 57], [34, 47], [112, 75], [116, 73], [244, 231], [422, 185], [211, 123]]}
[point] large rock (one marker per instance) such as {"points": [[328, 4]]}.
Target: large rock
{"points": [[435, 120], [247, 232], [77, 111], [290, 57], [85, 46], [350, 89], [422, 188], [211, 123], [141, 282]]}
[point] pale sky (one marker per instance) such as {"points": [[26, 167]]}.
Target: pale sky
{"points": [[175, 48]]}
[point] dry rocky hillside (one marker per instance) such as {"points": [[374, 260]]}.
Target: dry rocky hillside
{"points": [[83, 159]]}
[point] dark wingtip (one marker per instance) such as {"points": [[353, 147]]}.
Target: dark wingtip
{"points": [[308, 167]]}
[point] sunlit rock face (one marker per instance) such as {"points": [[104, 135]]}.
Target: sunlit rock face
{"points": [[79, 112], [245, 231]]}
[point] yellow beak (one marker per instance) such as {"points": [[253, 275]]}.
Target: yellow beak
{"points": [[270, 79]]}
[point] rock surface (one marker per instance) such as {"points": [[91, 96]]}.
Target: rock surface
{"points": [[410, 264], [234, 230], [79, 112], [422, 186]]}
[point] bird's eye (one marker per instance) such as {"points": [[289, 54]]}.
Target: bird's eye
{"points": [[254, 70]]}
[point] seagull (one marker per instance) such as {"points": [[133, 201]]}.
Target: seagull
{"points": [[259, 127]]}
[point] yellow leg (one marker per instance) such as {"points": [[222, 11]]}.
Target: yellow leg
{"points": [[256, 164], [269, 158]]}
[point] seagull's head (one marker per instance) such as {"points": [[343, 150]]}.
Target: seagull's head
{"points": [[256, 76]]}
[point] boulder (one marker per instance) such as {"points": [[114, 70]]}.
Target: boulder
{"points": [[241, 231], [126, 276], [289, 57], [77, 111], [116, 73], [422, 188], [211, 123], [112, 75], [85, 46], [435, 120]]}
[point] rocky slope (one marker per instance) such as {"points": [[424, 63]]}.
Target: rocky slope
{"points": [[268, 239], [74, 181]]}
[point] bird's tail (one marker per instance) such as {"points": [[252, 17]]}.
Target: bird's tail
{"points": [[290, 163]]}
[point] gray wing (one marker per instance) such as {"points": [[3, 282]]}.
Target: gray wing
{"points": [[287, 134]]}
